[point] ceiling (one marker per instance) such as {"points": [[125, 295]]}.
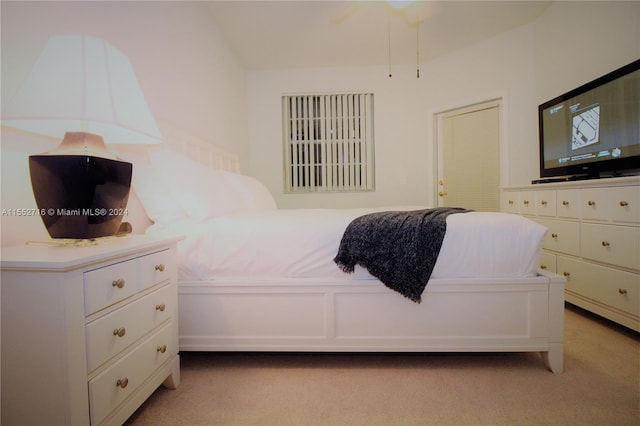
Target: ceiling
{"points": [[305, 33]]}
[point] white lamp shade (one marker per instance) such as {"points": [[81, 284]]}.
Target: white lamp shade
{"points": [[83, 84]]}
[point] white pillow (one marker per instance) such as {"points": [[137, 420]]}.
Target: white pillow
{"points": [[201, 192], [151, 187], [252, 192]]}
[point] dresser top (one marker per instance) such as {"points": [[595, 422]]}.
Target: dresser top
{"points": [[579, 184], [52, 256]]}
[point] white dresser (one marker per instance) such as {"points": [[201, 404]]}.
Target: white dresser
{"points": [[88, 333], [593, 239]]}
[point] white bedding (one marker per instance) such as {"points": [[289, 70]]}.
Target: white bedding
{"points": [[233, 229], [301, 243]]}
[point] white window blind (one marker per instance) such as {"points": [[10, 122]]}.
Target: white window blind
{"points": [[328, 142]]}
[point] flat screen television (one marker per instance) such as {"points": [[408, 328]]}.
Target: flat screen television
{"points": [[594, 130]]}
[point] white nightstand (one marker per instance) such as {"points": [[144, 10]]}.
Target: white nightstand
{"points": [[88, 333]]}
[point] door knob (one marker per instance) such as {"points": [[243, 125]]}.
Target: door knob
{"points": [[442, 193]]}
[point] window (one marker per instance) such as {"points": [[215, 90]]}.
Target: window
{"points": [[328, 143]]}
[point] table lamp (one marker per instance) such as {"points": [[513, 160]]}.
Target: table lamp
{"points": [[84, 91]]}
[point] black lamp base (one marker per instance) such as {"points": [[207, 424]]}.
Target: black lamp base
{"points": [[80, 196]]}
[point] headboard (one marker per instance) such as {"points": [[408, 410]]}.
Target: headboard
{"points": [[185, 144], [199, 150]]}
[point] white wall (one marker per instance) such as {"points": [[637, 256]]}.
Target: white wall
{"points": [[570, 44], [188, 74], [399, 129], [578, 41], [500, 67], [404, 108]]}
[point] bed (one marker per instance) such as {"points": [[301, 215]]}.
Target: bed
{"points": [[238, 292]]}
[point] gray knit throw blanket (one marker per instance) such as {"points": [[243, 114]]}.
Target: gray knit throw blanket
{"points": [[400, 248]]}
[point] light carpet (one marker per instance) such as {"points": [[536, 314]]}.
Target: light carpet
{"points": [[600, 386]]}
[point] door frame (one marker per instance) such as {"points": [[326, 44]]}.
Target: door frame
{"points": [[438, 118]]}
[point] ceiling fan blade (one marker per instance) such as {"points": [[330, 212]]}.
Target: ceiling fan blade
{"points": [[345, 10], [417, 13]]}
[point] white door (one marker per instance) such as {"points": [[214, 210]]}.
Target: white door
{"points": [[469, 166]]}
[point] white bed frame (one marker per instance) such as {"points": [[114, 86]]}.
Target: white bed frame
{"points": [[456, 315]]}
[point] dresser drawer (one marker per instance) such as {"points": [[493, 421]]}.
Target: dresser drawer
{"points": [[510, 202], [548, 262], [111, 387], [546, 203], [608, 286], [114, 332], [568, 203], [155, 268], [613, 244], [528, 203], [561, 236], [105, 286], [625, 204], [594, 204]]}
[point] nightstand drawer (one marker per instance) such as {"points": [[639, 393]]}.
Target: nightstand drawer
{"points": [[118, 382], [105, 286], [116, 331], [155, 268]]}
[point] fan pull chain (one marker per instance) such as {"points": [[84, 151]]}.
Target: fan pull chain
{"points": [[417, 42], [389, 38]]}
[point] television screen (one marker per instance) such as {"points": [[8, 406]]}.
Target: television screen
{"points": [[594, 129]]}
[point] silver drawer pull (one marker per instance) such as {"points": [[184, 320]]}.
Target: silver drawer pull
{"points": [[624, 203], [122, 383], [120, 332], [591, 203], [162, 349], [565, 203], [605, 244], [161, 307], [622, 290], [159, 267], [119, 283]]}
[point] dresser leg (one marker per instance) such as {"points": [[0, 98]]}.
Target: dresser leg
{"points": [[173, 380]]}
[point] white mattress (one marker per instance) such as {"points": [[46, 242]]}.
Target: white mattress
{"points": [[301, 243]]}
